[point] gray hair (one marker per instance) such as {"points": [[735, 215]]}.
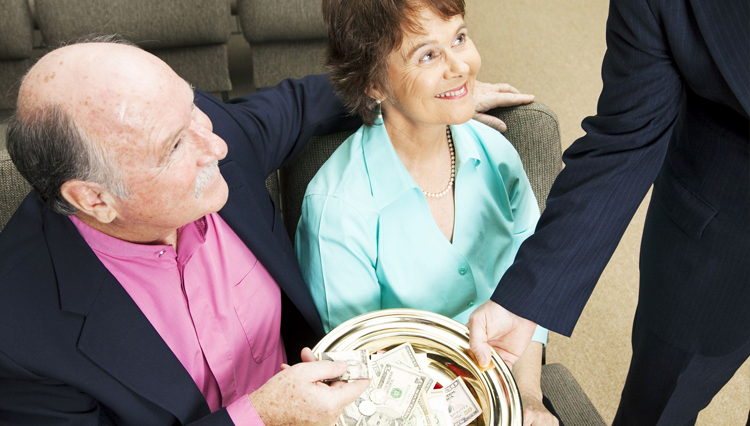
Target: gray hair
{"points": [[49, 148]]}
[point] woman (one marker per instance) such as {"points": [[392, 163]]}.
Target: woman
{"points": [[421, 207]]}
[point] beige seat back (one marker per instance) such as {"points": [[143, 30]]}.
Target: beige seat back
{"points": [[287, 38], [189, 35]]}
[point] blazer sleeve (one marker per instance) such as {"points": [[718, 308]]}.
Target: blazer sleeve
{"points": [[277, 122], [606, 176], [337, 252], [28, 399]]}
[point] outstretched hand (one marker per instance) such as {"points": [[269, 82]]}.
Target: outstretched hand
{"points": [[488, 96], [298, 396], [493, 325]]}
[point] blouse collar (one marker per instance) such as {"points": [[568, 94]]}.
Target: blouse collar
{"points": [[389, 178]]}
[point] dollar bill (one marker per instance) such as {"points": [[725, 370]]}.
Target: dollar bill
{"points": [[462, 406], [422, 414], [358, 364], [350, 416], [439, 408], [404, 387], [423, 361], [402, 355]]}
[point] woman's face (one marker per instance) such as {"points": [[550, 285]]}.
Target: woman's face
{"points": [[432, 74]]}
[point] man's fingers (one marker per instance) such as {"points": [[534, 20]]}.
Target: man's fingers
{"points": [[307, 355], [346, 393], [511, 89], [508, 357], [482, 353], [511, 99], [491, 121], [317, 371], [478, 340]]}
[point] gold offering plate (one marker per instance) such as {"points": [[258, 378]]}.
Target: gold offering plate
{"points": [[446, 343]]}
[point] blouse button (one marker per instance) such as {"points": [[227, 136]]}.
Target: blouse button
{"points": [[161, 253], [470, 304], [462, 270]]}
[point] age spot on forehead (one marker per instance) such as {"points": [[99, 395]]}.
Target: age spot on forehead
{"points": [[49, 77]]}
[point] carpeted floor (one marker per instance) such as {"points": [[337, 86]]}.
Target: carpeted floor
{"points": [[553, 49]]}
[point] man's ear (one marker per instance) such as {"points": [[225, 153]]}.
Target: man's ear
{"points": [[90, 199]]}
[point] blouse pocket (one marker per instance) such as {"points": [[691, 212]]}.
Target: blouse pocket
{"points": [[257, 303]]}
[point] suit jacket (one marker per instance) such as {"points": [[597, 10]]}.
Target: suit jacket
{"points": [[674, 113], [75, 348]]}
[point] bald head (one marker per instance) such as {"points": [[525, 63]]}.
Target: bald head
{"points": [[92, 81], [79, 104]]}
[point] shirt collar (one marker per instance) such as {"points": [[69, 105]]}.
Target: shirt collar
{"points": [[194, 232], [389, 178]]}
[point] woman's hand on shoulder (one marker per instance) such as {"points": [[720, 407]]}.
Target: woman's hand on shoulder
{"points": [[535, 413], [488, 96]]}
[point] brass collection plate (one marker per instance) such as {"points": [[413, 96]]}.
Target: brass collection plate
{"points": [[446, 343]]}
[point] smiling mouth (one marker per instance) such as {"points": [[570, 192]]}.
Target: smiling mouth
{"points": [[453, 94]]}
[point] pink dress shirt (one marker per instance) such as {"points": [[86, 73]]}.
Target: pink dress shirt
{"points": [[212, 302]]}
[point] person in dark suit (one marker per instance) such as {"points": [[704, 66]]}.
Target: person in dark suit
{"points": [[673, 113]]}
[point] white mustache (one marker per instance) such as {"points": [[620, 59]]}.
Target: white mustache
{"points": [[204, 177]]}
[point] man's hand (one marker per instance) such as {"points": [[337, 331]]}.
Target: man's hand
{"points": [[509, 334], [488, 96], [296, 395]]}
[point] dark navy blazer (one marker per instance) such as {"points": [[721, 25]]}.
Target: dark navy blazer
{"points": [[75, 348], [674, 113]]}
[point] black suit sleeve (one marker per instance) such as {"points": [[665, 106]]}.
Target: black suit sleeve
{"points": [[30, 400], [26, 399], [280, 120], [606, 176]]}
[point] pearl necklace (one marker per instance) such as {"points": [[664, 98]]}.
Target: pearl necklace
{"points": [[453, 169]]}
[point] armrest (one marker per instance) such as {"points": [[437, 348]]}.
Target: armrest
{"points": [[567, 397], [534, 131]]}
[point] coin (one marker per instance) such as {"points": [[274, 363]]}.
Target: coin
{"points": [[378, 396], [367, 408]]}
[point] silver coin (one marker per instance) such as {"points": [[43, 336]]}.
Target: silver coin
{"points": [[378, 396], [367, 408]]}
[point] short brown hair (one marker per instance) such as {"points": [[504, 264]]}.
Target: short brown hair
{"points": [[361, 35]]}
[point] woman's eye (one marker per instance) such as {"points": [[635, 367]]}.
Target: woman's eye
{"points": [[427, 57], [461, 39], [176, 145]]}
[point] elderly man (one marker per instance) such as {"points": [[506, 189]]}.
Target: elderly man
{"points": [[125, 297], [144, 306]]}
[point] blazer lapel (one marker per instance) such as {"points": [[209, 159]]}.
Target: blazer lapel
{"points": [[243, 215], [116, 335], [724, 25]]}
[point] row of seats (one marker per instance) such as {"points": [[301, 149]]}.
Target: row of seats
{"points": [[287, 37]]}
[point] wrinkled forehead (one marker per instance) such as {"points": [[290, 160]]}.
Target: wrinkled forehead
{"points": [[120, 96]]}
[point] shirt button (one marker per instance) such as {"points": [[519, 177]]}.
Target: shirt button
{"points": [[161, 253], [470, 304], [462, 270]]}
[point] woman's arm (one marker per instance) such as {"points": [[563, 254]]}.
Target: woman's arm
{"points": [[528, 372], [336, 249]]}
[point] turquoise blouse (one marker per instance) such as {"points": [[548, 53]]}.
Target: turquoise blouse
{"points": [[366, 239]]}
